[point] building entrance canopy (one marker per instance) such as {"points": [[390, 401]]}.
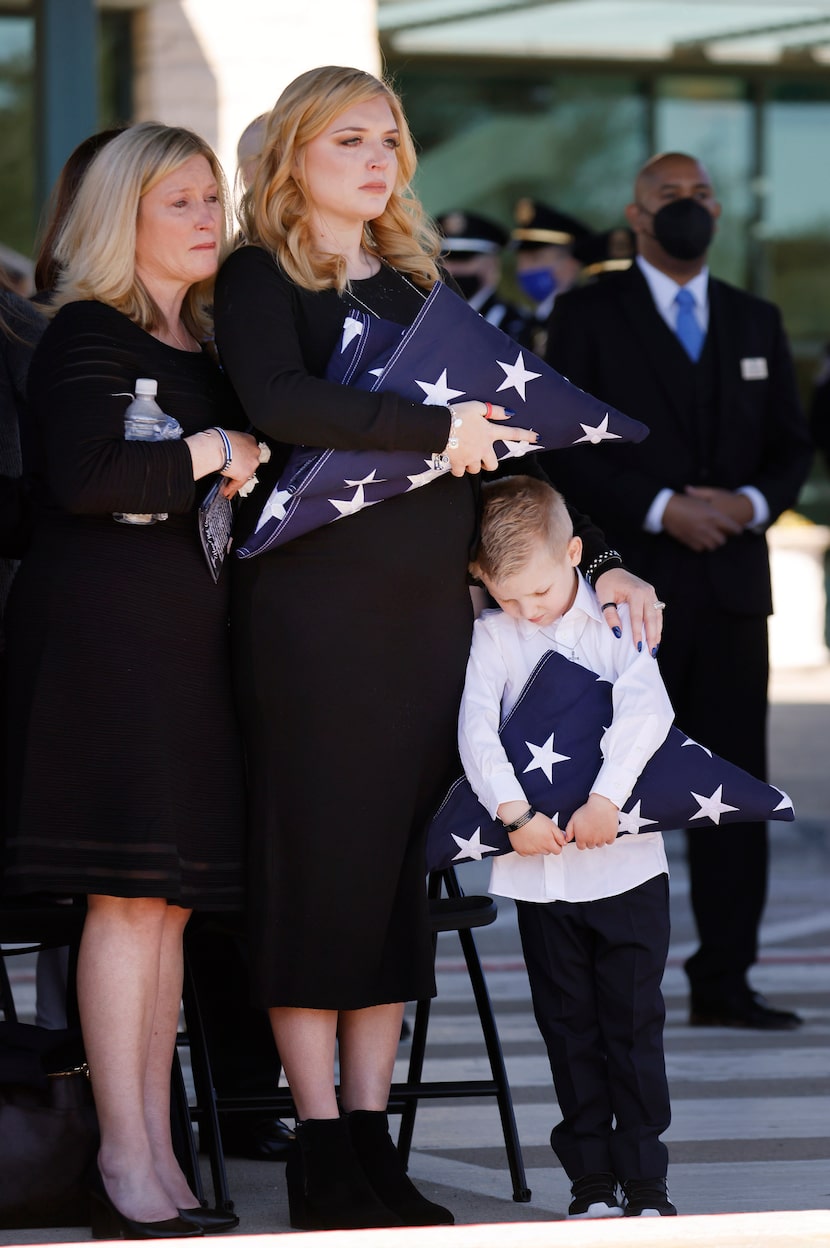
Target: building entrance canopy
{"points": [[721, 31]]}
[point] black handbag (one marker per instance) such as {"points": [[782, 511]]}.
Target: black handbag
{"points": [[48, 1128]]}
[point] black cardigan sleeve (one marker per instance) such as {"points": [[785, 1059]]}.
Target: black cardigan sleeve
{"points": [[274, 339], [78, 414]]}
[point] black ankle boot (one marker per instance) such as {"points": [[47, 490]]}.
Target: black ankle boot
{"points": [[327, 1188], [387, 1174]]}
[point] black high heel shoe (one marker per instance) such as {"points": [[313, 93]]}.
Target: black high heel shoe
{"points": [[107, 1222], [212, 1221]]}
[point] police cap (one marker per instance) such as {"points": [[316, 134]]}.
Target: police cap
{"points": [[538, 225], [466, 234], [609, 251]]}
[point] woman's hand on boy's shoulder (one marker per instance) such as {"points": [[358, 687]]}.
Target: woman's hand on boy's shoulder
{"points": [[645, 610]]}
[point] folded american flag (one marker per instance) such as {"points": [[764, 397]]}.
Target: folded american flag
{"points": [[448, 353], [551, 738]]}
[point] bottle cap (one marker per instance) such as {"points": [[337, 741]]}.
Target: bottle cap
{"points": [[146, 385]]}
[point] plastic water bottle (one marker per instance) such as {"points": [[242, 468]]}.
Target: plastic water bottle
{"points": [[144, 421]]}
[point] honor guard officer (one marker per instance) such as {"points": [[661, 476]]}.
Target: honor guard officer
{"points": [[472, 253], [544, 239], [610, 251]]}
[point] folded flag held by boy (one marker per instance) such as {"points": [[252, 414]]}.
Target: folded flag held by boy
{"points": [[552, 739]]}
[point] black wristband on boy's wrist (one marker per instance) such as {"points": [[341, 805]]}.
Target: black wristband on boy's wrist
{"points": [[521, 821]]}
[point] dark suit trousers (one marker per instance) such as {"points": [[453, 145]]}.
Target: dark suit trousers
{"points": [[595, 970], [715, 666]]}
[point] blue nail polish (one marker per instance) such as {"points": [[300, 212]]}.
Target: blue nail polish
{"points": [[654, 651], [508, 411], [616, 630], [639, 646]]}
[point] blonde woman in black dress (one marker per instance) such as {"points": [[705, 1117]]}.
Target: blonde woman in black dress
{"points": [[125, 771], [350, 643]]}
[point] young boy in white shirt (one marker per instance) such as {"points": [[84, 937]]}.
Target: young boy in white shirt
{"points": [[593, 908]]}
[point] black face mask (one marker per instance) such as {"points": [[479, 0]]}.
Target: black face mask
{"points": [[468, 283], [684, 228]]}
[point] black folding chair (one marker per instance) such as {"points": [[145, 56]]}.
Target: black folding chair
{"points": [[451, 912]]}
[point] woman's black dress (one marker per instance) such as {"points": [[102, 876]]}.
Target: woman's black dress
{"points": [[125, 771], [350, 647]]}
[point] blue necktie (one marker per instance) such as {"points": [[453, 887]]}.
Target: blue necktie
{"points": [[687, 328]]}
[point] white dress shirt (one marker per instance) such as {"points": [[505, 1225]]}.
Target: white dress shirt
{"points": [[503, 655], [664, 291]]}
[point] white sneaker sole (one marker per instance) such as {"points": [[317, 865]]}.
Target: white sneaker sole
{"points": [[600, 1210]]}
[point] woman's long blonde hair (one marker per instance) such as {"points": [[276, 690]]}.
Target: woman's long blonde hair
{"points": [[275, 210], [95, 248]]}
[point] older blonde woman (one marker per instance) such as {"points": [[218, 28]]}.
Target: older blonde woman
{"points": [[125, 774]]}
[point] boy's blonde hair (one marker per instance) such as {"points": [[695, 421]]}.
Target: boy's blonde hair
{"points": [[95, 248], [518, 514], [275, 209]]}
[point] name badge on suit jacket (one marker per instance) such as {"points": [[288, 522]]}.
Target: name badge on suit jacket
{"points": [[754, 368]]}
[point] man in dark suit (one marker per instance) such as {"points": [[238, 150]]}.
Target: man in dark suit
{"points": [[708, 369]]}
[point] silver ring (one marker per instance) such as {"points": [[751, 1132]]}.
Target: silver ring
{"points": [[658, 606]]}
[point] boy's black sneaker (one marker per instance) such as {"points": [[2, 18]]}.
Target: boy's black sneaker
{"points": [[647, 1198], [595, 1196]]}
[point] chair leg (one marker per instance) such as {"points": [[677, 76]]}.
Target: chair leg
{"points": [[416, 1067], [208, 1116], [181, 1129], [521, 1192]]}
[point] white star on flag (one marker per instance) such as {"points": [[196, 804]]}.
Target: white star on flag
{"points": [[350, 508], [691, 741], [545, 757], [596, 433], [630, 821], [275, 507], [786, 801], [370, 480], [712, 807], [516, 376], [375, 372], [472, 848], [439, 393], [516, 449], [424, 478], [352, 328]]}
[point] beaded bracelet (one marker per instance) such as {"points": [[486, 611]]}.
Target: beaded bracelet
{"points": [[521, 821], [440, 459], [612, 557], [455, 423], [226, 443]]}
